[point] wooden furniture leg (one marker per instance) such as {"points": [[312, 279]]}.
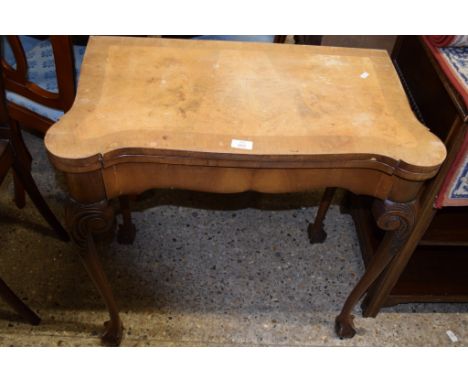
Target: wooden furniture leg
{"points": [[19, 306], [316, 230], [27, 182], [22, 153], [398, 220], [127, 231], [20, 197], [85, 221]]}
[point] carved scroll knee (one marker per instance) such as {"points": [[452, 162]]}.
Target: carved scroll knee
{"points": [[88, 219]]}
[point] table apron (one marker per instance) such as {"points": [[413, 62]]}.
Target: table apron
{"points": [[135, 178]]}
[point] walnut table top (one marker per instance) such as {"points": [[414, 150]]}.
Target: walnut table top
{"points": [[199, 96]]}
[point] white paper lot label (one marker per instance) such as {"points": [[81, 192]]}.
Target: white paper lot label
{"points": [[243, 145], [452, 336]]}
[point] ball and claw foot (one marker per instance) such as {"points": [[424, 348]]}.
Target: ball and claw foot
{"points": [[126, 233], [113, 333], [316, 235], [344, 327]]}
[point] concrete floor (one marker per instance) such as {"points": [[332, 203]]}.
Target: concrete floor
{"points": [[204, 270]]}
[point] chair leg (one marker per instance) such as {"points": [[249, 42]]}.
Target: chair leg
{"points": [[19, 306], [20, 196], [30, 185], [127, 231], [22, 152], [316, 231]]}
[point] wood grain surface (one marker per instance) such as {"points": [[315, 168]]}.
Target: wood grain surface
{"points": [[197, 96]]}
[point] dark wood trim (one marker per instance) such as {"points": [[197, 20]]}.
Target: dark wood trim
{"points": [[20, 72], [29, 119], [65, 69]]}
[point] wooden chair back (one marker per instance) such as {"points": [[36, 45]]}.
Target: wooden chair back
{"points": [[16, 79]]}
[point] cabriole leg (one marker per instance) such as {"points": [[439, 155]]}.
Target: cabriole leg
{"points": [[85, 221], [398, 220], [316, 230]]}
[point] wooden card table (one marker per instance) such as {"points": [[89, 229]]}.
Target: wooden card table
{"points": [[227, 117]]}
